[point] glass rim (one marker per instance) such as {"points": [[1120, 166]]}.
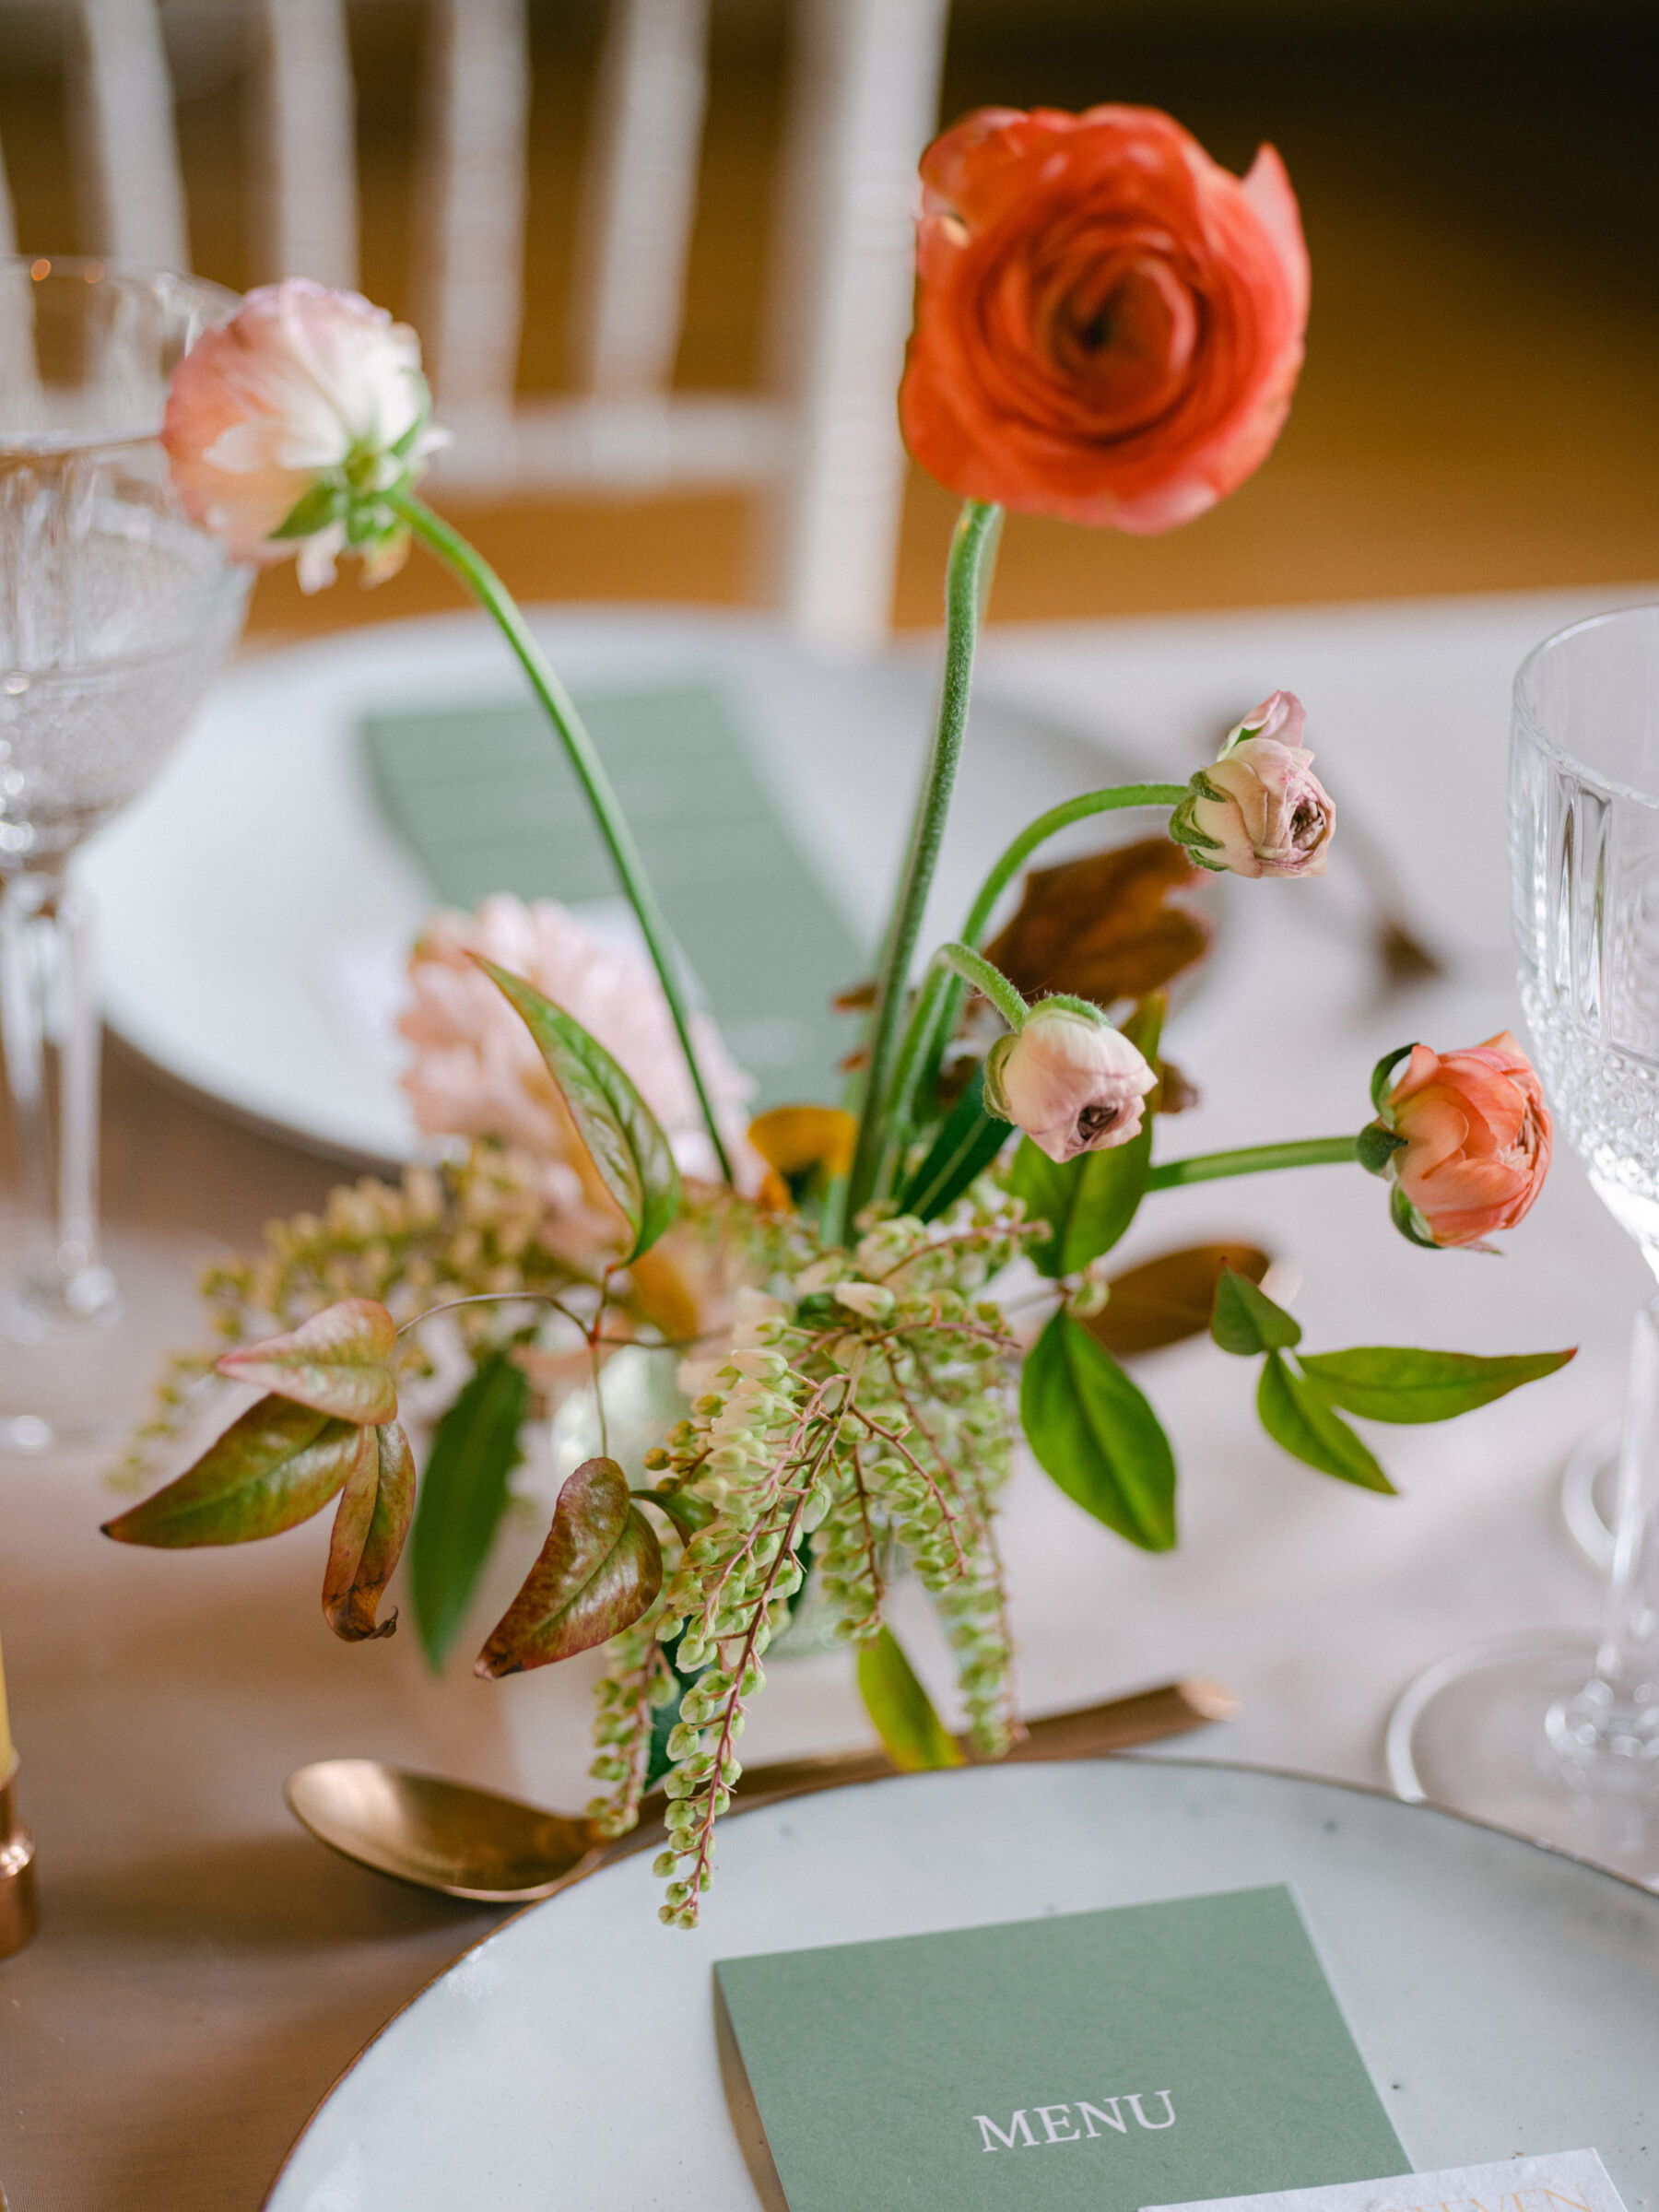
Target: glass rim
{"points": [[1527, 717], [217, 300]]}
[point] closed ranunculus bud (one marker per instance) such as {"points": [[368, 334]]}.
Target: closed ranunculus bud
{"points": [[1259, 809], [1471, 1139], [285, 422], [1070, 1080]]}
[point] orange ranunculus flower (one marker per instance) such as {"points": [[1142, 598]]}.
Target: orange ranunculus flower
{"points": [[1476, 1139], [1109, 326]]}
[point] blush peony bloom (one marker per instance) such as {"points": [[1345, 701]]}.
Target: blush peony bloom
{"points": [[1070, 1080], [1109, 326], [475, 1071], [304, 395], [1259, 809], [1474, 1140]]}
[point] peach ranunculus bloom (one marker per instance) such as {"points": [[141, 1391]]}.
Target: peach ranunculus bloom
{"points": [[1476, 1139], [475, 1071], [1071, 1081], [302, 394], [1108, 326], [1259, 809]]}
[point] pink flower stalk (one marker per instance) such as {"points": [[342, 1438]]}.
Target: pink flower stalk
{"points": [[297, 411], [1070, 1080], [1259, 809]]}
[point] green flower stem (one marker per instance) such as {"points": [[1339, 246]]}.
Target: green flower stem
{"points": [[967, 582], [491, 593], [939, 1002], [976, 970], [1254, 1159]]}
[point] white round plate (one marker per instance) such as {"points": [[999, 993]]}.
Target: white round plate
{"points": [[1506, 2000], [256, 907]]}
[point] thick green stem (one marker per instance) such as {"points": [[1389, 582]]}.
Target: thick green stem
{"points": [[1254, 1159], [977, 972], [967, 582], [491, 593], [939, 1001]]}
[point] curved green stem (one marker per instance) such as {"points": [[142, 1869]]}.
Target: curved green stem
{"points": [[968, 578], [492, 594], [977, 972], [939, 1002], [1253, 1159]]}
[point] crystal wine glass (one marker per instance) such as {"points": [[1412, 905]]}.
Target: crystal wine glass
{"points": [[115, 614], [1558, 1735]]}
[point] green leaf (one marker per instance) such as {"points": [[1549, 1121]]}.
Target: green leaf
{"points": [[339, 1361], [1382, 1075], [1375, 1145], [1294, 1416], [1408, 1221], [912, 1733], [599, 1569], [965, 1147], [463, 1496], [684, 1508], [1395, 1382], [314, 510], [274, 1467], [1096, 1435], [1245, 1320], [370, 1522], [615, 1123]]}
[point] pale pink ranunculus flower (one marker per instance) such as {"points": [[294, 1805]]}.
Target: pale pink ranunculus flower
{"points": [[299, 386], [475, 1071], [1070, 1080], [1477, 1138], [1259, 809]]}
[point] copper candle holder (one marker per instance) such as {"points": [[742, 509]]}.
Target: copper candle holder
{"points": [[18, 1914]]}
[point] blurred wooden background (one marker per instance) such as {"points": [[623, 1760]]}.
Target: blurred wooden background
{"points": [[1479, 407]]}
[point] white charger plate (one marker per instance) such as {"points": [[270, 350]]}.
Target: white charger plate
{"points": [[255, 906], [1505, 1999]]}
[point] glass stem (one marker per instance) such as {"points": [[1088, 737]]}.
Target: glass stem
{"points": [[1613, 1724]]}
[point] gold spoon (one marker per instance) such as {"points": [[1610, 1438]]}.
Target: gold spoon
{"points": [[474, 1844]]}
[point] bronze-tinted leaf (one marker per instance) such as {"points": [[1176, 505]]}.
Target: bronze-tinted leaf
{"points": [[599, 1569], [339, 1361], [370, 1522], [274, 1467], [1169, 1297], [1114, 925]]}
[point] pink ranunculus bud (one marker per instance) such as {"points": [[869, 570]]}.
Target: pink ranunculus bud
{"points": [[303, 395], [1070, 1080], [1259, 809], [1475, 1140]]}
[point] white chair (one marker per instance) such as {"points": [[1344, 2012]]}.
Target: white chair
{"points": [[819, 444]]}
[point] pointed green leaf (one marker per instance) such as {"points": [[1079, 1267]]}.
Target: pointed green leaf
{"points": [[1245, 1320], [314, 510], [1375, 1145], [619, 1130], [274, 1467], [599, 1569], [1395, 1382], [967, 1144], [1294, 1416], [912, 1733], [1382, 1075], [463, 1497], [370, 1522], [1096, 1435], [339, 1361]]}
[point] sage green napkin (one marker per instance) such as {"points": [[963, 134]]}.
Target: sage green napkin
{"points": [[486, 800]]}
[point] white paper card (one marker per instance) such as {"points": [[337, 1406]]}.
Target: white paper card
{"points": [[1566, 2180]]}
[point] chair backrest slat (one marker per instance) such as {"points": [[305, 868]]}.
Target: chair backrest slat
{"points": [[471, 228], [9, 227], [865, 98], [128, 151], [308, 205], [638, 197]]}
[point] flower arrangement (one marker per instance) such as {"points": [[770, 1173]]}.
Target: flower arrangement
{"points": [[1109, 328]]}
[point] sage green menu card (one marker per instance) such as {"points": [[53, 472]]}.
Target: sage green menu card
{"points": [[1150, 2055]]}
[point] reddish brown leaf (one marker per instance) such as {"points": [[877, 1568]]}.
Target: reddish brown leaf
{"points": [[370, 1522], [1169, 1298], [1114, 925], [599, 1569], [274, 1467], [339, 1362]]}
